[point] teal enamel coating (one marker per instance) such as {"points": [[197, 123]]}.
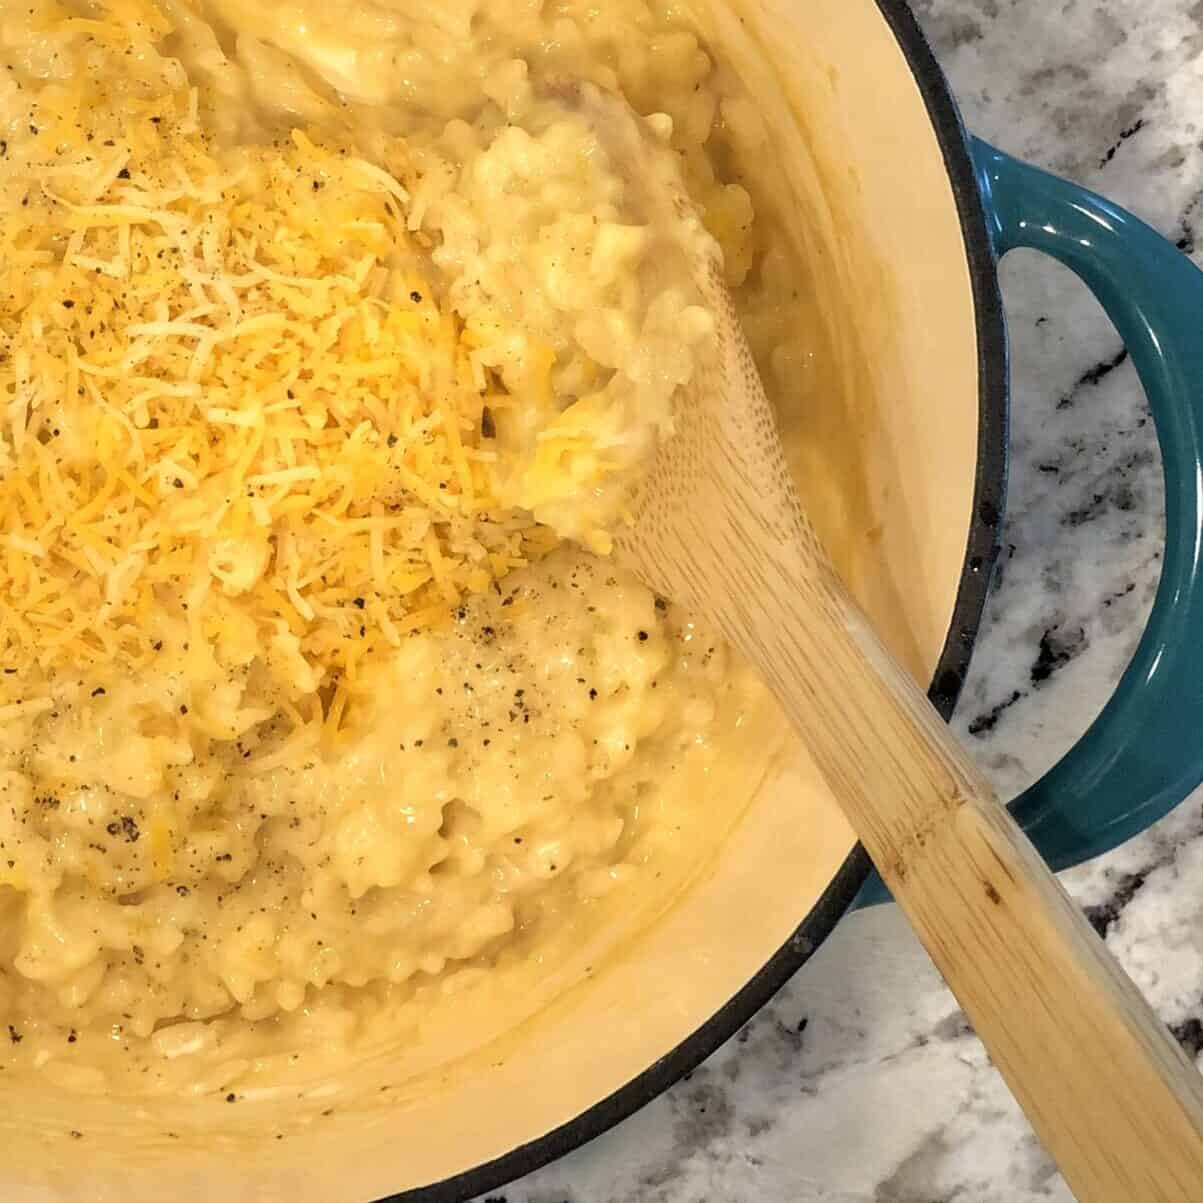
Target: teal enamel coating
{"points": [[1144, 753]]}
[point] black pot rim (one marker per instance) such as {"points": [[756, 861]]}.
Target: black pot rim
{"points": [[981, 552]]}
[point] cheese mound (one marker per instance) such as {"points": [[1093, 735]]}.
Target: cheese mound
{"points": [[228, 385]]}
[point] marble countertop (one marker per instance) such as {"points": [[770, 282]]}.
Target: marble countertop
{"points": [[872, 1086]]}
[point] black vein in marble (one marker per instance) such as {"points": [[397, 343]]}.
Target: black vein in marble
{"points": [[1124, 135], [1092, 377]]}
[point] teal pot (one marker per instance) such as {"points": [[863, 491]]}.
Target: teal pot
{"points": [[903, 219]]}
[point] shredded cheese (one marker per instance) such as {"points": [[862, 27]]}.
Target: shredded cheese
{"points": [[225, 381]]}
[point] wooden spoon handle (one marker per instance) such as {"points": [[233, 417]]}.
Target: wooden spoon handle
{"points": [[718, 526], [1106, 1088]]}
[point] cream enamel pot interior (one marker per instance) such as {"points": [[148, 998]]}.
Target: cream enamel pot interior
{"points": [[898, 439]]}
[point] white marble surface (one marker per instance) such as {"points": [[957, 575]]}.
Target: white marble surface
{"points": [[860, 1082]]}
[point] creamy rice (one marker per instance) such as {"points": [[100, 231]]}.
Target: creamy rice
{"points": [[221, 833]]}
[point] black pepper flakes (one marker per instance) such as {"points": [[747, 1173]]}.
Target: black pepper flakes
{"points": [[126, 828], [14, 1035]]}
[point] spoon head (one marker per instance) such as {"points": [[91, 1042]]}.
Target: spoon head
{"points": [[721, 479]]}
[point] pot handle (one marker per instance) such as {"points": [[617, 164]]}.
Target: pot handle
{"points": [[1144, 753]]}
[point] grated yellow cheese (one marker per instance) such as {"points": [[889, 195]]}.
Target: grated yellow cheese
{"points": [[226, 386]]}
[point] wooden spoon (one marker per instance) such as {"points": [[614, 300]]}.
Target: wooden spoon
{"points": [[719, 528]]}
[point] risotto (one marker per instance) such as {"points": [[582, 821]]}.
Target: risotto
{"points": [[328, 354]]}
